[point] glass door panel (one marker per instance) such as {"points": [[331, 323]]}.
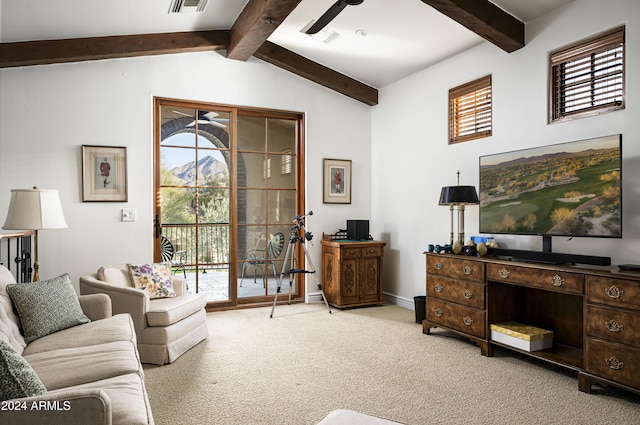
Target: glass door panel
{"points": [[195, 195], [254, 201], [282, 206], [178, 205], [266, 164], [252, 133]]}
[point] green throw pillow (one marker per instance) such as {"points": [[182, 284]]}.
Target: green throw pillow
{"points": [[17, 377], [153, 278], [46, 307]]}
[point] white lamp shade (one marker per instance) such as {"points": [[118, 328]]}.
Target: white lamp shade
{"points": [[34, 209]]}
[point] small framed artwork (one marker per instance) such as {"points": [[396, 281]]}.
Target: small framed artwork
{"points": [[336, 181], [104, 173]]}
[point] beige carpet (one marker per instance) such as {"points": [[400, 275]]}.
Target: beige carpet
{"points": [[304, 363]]}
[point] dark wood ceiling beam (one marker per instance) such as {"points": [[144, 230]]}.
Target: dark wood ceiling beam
{"points": [[46, 52], [485, 19], [299, 65], [255, 24]]}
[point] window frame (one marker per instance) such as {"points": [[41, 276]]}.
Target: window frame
{"points": [[607, 41], [456, 95]]}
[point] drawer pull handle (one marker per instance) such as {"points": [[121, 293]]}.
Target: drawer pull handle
{"points": [[467, 294], [439, 266], [439, 288], [467, 270], [438, 312], [614, 363], [557, 280], [467, 320], [614, 326], [504, 273], [614, 292]]}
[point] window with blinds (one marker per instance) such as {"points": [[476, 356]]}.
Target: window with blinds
{"points": [[587, 78], [470, 111]]}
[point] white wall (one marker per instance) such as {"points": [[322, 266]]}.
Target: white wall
{"points": [[399, 148], [410, 133], [48, 112]]}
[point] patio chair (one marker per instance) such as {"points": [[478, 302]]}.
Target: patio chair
{"points": [[263, 258], [177, 258]]}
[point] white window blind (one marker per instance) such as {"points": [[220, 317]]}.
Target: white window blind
{"points": [[470, 111], [587, 78]]}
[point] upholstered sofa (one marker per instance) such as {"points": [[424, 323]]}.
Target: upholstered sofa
{"points": [[165, 327], [64, 359]]}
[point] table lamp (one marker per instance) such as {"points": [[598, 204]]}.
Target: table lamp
{"points": [[458, 196], [34, 209]]}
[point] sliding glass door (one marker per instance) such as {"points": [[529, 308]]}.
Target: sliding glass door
{"points": [[228, 184]]}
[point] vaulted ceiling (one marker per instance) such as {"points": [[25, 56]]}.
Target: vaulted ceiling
{"points": [[364, 48]]}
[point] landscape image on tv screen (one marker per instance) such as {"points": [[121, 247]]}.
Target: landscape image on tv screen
{"points": [[567, 189]]}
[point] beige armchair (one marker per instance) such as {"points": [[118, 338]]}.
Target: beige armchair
{"points": [[165, 327]]}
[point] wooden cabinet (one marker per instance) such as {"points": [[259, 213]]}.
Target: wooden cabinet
{"points": [[594, 312], [352, 272], [612, 325], [456, 297]]}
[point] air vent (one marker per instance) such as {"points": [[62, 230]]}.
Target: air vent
{"points": [[183, 6]]}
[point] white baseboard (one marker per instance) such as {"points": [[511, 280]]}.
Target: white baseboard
{"points": [[399, 301], [316, 297]]}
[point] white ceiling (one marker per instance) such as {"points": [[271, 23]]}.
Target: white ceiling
{"points": [[402, 36]]}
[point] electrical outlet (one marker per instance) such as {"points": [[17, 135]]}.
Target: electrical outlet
{"points": [[128, 214]]}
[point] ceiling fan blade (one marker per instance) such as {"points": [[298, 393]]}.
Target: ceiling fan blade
{"points": [[327, 17]]}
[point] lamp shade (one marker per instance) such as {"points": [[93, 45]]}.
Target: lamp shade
{"points": [[458, 195], [34, 209]]}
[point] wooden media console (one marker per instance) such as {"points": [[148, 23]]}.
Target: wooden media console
{"points": [[593, 311]]}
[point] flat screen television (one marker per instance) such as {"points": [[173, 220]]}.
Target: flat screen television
{"points": [[569, 189]]}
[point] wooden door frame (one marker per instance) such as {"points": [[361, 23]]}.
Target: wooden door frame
{"points": [[299, 117]]}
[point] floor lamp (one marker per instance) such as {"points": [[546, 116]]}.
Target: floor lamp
{"points": [[458, 196], [34, 209]]}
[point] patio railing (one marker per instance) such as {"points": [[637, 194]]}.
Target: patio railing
{"points": [[15, 254], [212, 248]]}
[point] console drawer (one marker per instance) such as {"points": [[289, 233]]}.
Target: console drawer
{"points": [[458, 291], [457, 268], [351, 252], [453, 316], [613, 325], [612, 361], [372, 251], [553, 280], [613, 292]]}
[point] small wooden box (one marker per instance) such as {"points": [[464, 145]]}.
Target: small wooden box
{"points": [[524, 337]]}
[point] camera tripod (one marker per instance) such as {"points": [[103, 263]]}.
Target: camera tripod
{"points": [[290, 260]]}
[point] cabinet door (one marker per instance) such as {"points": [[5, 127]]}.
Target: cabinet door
{"points": [[349, 281], [370, 279], [330, 274]]}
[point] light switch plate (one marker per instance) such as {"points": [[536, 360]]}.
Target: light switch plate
{"points": [[128, 214]]}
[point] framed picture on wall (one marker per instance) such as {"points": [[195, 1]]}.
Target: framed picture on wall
{"points": [[104, 173], [336, 181]]}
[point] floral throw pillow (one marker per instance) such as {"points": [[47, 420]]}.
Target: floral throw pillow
{"points": [[153, 278]]}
